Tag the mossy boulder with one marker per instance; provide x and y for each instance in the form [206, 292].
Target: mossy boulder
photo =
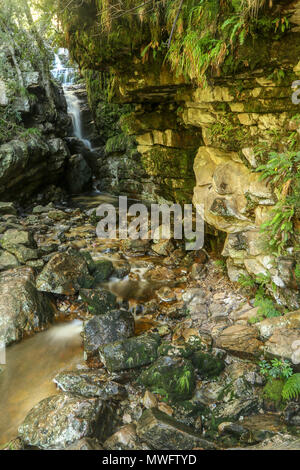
[102, 270]
[272, 394]
[172, 377]
[131, 353]
[207, 365]
[100, 301]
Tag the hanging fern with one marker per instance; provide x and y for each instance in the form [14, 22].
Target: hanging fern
[291, 388]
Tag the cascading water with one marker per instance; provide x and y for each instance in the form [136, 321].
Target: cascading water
[67, 76]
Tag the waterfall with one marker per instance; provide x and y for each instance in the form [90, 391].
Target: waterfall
[67, 75]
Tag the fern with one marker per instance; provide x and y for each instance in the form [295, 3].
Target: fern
[291, 387]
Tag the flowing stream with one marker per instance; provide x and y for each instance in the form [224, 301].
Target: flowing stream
[31, 366]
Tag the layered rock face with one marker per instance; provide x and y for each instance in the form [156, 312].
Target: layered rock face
[35, 153]
[216, 134]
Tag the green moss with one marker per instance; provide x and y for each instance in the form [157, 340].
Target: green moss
[170, 377]
[272, 393]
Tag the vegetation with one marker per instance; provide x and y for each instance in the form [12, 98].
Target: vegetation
[195, 36]
[22, 42]
[282, 170]
[279, 374]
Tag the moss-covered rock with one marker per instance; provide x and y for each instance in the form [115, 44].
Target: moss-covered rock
[130, 353]
[102, 270]
[272, 394]
[174, 378]
[100, 301]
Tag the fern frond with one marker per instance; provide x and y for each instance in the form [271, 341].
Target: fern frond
[291, 388]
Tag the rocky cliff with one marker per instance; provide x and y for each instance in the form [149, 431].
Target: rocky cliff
[201, 139]
[33, 124]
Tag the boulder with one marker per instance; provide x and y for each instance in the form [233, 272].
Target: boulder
[63, 274]
[21, 252]
[173, 377]
[100, 301]
[90, 383]
[113, 326]
[125, 439]
[58, 421]
[240, 340]
[130, 353]
[288, 321]
[162, 432]
[7, 260]
[22, 308]
[102, 270]
[19, 237]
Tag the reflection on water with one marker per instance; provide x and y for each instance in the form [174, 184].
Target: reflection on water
[31, 366]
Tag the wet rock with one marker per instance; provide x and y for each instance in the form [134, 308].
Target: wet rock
[162, 432]
[135, 246]
[78, 174]
[7, 260]
[113, 326]
[58, 421]
[7, 208]
[121, 269]
[100, 301]
[85, 444]
[174, 378]
[63, 274]
[22, 308]
[130, 353]
[90, 383]
[208, 365]
[102, 270]
[240, 340]
[125, 439]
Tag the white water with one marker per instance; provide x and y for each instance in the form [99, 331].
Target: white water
[66, 75]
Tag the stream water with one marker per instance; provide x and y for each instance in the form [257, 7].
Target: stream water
[33, 363]
[31, 366]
